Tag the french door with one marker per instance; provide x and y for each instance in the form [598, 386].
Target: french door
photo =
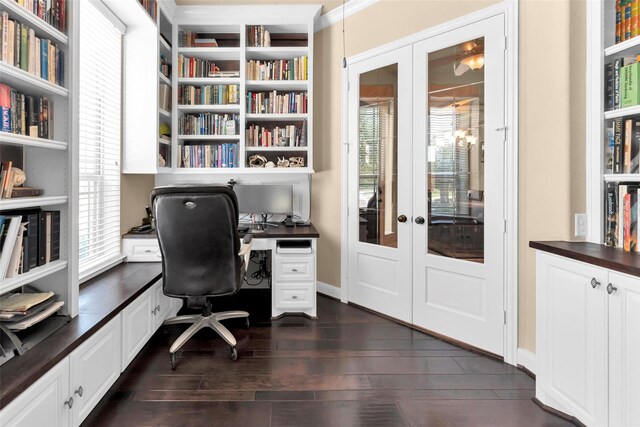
[426, 184]
[380, 184]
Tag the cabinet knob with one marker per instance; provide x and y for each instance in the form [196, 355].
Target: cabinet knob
[147, 251]
[594, 283]
[154, 311]
[79, 391]
[158, 308]
[294, 297]
[69, 402]
[611, 289]
[295, 270]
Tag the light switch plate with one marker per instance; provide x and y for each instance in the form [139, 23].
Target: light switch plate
[581, 225]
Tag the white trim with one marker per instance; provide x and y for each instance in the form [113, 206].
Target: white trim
[335, 15]
[104, 9]
[510, 10]
[328, 290]
[527, 359]
[102, 267]
[344, 189]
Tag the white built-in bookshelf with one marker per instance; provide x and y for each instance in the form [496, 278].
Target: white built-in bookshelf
[47, 161]
[602, 49]
[217, 128]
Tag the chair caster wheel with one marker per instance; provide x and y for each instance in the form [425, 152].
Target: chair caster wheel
[234, 354]
[246, 323]
[172, 356]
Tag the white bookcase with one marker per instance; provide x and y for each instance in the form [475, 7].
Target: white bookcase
[291, 29]
[48, 163]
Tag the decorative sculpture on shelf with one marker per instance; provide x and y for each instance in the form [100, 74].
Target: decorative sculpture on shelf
[296, 162]
[257, 161]
[269, 164]
[161, 162]
[283, 163]
[19, 177]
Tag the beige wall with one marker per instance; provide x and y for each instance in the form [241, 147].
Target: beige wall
[134, 197]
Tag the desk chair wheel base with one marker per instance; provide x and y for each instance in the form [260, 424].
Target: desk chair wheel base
[234, 354]
[246, 323]
[172, 356]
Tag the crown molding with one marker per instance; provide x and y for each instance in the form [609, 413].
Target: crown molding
[334, 16]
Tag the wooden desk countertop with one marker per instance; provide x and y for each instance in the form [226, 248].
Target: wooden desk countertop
[279, 232]
[101, 299]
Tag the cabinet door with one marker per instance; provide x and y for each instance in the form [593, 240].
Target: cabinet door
[624, 350]
[95, 366]
[42, 404]
[571, 337]
[162, 305]
[137, 326]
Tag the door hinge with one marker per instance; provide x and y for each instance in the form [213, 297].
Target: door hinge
[504, 43]
[348, 145]
[347, 210]
[504, 318]
[504, 230]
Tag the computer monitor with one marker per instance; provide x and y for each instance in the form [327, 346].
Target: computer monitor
[268, 199]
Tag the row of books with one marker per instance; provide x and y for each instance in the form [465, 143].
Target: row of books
[196, 39]
[19, 311]
[25, 114]
[621, 227]
[208, 156]
[53, 12]
[257, 36]
[208, 95]
[627, 20]
[150, 6]
[621, 83]
[279, 136]
[195, 67]
[623, 154]
[165, 67]
[38, 56]
[208, 124]
[30, 239]
[281, 69]
[277, 103]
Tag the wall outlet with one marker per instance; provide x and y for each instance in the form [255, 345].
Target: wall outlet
[581, 225]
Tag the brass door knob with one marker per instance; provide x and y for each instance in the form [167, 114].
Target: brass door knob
[402, 218]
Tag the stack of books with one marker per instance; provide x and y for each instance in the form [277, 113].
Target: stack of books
[19, 311]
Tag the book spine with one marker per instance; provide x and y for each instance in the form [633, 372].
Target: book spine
[617, 69]
[617, 147]
[611, 229]
[55, 235]
[622, 191]
[5, 37]
[628, 132]
[42, 239]
[24, 48]
[633, 219]
[627, 221]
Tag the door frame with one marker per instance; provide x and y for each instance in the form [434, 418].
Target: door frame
[509, 10]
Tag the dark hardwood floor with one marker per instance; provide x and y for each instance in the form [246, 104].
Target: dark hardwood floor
[348, 368]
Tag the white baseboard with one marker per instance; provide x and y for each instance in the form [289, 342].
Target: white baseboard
[329, 290]
[527, 359]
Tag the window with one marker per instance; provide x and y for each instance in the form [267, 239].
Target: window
[100, 87]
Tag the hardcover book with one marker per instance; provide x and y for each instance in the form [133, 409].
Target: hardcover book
[611, 228]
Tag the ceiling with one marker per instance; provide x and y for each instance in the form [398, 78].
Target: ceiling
[327, 5]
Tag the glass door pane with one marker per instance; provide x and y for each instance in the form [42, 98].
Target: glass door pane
[455, 151]
[377, 156]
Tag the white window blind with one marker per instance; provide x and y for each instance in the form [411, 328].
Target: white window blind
[100, 85]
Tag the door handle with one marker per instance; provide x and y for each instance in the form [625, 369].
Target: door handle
[402, 218]
[419, 220]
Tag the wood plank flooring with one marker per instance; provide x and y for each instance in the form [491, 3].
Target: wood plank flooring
[348, 368]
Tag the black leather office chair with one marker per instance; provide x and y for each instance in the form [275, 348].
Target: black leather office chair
[202, 256]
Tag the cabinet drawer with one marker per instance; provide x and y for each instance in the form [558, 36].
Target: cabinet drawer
[294, 268]
[142, 250]
[295, 296]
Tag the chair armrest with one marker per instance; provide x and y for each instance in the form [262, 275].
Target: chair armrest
[245, 250]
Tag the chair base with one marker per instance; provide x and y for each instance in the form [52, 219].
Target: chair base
[199, 321]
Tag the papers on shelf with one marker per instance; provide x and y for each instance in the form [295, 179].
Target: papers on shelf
[32, 320]
[20, 303]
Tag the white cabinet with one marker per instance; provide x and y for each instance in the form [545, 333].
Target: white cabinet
[141, 249]
[45, 403]
[142, 318]
[294, 283]
[95, 366]
[624, 350]
[66, 394]
[588, 341]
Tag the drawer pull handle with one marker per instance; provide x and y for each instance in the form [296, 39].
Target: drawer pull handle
[611, 289]
[148, 251]
[79, 391]
[295, 270]
[158, 308]
[154, 311]
[294, 297]
[594, 283]
[69, 402]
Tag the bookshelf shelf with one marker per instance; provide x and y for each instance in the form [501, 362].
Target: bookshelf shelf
[164, 79]
[167, 143]
[627, 46]
[164, 113]
[216, 53]
[209, 137]
[275, 117]
[42, 28]
[29, 141]
[165, 48]
[227, 108]
[7, 285]
[624, 177]
[276, 52]
[236, 171]
[28, 83]
[271, 85]
[276, 149]
[31, 202]
[209, 80]
[622, 112]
